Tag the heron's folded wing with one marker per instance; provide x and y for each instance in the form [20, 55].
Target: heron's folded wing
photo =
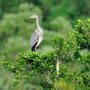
[39, 41]
[34, 39]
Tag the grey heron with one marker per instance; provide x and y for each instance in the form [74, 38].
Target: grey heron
[37, 35]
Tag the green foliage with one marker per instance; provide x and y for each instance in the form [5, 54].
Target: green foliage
[12, 5]
[83, 38]
[70, 9]
[61, 26]
[68, 51]
[13, 46]
[62, 9]
[56, 18]
[6, 82]
[15, 32]
[62, 85]
[80, 5]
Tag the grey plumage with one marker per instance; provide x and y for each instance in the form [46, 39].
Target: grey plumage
[37, 36]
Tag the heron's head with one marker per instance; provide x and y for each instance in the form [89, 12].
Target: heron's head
[34, 16]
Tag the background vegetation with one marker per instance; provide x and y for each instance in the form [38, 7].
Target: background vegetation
[57, 17]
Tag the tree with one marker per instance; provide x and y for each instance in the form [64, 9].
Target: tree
[68, 51]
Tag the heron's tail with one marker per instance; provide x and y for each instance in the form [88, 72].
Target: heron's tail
[33, 49]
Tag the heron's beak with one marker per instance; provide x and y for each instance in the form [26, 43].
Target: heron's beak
[31, 17]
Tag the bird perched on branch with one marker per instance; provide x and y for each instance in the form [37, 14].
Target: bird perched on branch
[37, 35]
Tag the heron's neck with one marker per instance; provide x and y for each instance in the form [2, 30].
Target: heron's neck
[37, 22]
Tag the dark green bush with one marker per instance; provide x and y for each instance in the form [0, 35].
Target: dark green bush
[83, 38]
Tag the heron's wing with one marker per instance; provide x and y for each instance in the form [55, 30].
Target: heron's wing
[34, 39]
[39, 41]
